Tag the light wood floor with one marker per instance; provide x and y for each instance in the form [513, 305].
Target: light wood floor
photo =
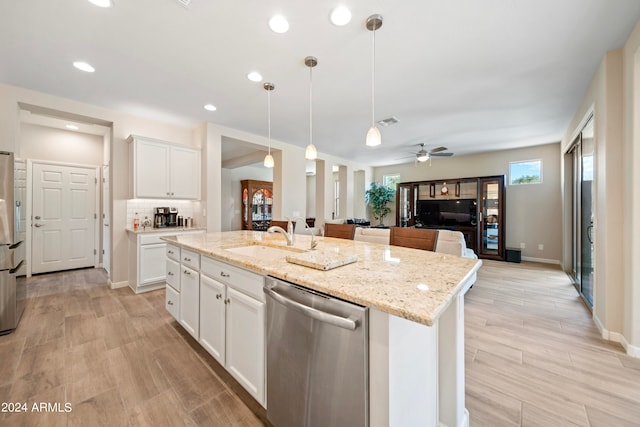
[534, 358]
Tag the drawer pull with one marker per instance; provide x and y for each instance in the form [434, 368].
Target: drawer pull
[227, 301]
[170, 252]
[223, 274]
[169, 273]
[187, 272]
[218, 296]
[187, 259]
[169, 302]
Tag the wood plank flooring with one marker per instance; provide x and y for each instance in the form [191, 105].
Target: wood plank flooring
[533, 358]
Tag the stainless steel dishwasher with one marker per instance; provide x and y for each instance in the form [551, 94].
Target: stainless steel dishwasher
[317, 358]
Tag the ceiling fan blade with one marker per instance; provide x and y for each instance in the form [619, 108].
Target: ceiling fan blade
[440, 154]
[438, 149]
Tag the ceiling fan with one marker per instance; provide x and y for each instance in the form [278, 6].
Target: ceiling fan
[423, 155]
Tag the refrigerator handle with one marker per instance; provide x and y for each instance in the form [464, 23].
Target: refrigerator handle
[15, 245]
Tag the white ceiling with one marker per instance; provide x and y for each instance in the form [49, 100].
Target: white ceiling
[471, 75]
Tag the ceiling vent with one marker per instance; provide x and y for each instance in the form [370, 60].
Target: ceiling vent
[185, 3]
[388, 122]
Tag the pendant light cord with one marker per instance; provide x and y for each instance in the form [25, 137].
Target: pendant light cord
[373, 80]
[269, 117]
[310, 105]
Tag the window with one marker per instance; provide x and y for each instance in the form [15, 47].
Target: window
[526, 172]
[391, 181]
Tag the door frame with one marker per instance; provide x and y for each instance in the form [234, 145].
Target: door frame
[29, 225]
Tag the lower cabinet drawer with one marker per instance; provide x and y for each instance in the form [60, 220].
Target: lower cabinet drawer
[238, 278]
[172, 302]
[173, 274]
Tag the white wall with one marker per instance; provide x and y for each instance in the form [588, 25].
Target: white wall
[231, 197]
[533, 212]
[58, 145]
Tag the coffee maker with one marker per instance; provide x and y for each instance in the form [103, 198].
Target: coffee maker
[172, 219]
[160, 217]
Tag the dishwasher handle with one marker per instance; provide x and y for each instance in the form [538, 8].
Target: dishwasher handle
[322, 316]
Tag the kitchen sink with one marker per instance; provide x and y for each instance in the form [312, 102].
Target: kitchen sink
[264, 251]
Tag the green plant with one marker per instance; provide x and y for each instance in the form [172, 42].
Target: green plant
[377, 196]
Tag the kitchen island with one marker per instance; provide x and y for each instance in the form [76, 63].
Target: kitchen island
[416, 323]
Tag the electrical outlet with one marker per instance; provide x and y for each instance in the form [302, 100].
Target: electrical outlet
[521, 245]
[540, 247]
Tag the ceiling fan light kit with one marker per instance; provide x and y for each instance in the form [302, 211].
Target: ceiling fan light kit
[373, 23]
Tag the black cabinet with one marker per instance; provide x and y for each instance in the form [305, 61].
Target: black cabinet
[473, 206]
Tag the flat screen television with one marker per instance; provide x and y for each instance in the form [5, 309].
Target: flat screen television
[446, 213]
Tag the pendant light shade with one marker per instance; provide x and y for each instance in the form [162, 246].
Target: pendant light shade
[268, 159]
[311, 153]
[374, 22]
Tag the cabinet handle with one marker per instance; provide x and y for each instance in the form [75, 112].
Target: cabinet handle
[187, 272]
[218, 296]
[223, 274]
[227, 301]
[172, 194]
[170, 252]
[187, 259]
[169, 302]
[169, 273]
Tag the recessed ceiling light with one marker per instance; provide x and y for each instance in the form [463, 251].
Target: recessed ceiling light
[278, 24]
[72, 127]
[102, 3]
[84, 66]
[254, 76]
[340, 16]
[210, 107]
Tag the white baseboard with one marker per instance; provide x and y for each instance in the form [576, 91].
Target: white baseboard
[464, 422]
[631, 350]
[542, 260]
[116, 285]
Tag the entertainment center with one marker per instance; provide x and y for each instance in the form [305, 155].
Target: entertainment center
[473, 206]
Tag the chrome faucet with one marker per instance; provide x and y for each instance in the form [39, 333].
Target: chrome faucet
[289, 235]
[314, 243]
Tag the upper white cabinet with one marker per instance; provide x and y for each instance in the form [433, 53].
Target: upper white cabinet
[162, 170]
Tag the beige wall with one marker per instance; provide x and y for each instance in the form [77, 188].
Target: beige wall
[533, 212]
[614, 98]
[58, 145]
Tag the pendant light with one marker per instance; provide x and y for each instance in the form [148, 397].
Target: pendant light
[311, 153]
[268, 159]
[374, 22]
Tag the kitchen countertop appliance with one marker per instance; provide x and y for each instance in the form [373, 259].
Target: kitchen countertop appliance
[172, 217]
[160, 217]
[317, 358]
[12, 288]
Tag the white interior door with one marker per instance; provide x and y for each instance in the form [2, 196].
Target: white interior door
[64, 217]
[106, 220]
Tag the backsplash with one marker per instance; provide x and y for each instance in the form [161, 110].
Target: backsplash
[144, 207]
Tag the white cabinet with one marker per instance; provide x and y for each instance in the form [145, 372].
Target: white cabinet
[190, 300]
[161, 170]
[148, 256]
[213, 295]
[245, 342]
[235, 329]
[172, 302]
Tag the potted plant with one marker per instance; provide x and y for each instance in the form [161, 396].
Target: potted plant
[377, 196]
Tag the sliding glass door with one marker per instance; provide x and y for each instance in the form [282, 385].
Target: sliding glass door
[583, 237]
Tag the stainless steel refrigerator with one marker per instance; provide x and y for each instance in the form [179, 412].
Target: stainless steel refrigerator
[12, 288]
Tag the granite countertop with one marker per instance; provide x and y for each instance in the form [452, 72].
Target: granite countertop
[150, 230]
[413, 284]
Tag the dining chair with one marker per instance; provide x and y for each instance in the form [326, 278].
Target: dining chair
[416, 238]
[341, 231]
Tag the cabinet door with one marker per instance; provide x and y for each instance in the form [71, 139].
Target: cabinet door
[212, 317]
[173, 274]
[185, 173]
[151, 169]
[245, 342]
[492, 218]
[190, 300]
[152, 263]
